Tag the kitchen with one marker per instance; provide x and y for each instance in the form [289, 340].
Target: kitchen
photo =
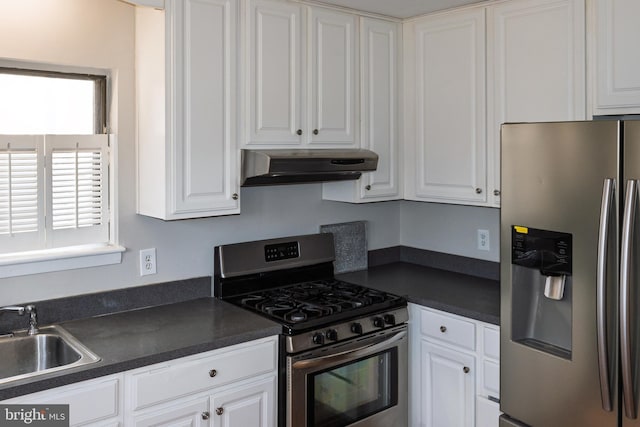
[184, 248]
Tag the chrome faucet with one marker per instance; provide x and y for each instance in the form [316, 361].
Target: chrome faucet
[33, 319]
[21, 310]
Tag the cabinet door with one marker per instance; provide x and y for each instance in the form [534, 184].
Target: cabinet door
[536, 58]
[617, 57]
[447, 160]
[276, 45]
[379, 126]
[487, 412]
[193, 413]
[186, 96]
[333, 78]
[378, 59]
[250, 405]
[447, 387]
[204, 107]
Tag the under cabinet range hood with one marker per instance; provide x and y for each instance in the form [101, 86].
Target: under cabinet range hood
[292, 166]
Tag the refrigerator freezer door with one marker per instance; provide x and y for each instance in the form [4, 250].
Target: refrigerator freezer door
[629, 278]
[553, 176]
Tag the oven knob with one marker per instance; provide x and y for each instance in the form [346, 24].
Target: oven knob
[318, 338]
[378, 322]
[356, 328]
[390, 319]
[332, 334]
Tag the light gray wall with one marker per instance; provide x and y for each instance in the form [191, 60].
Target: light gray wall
[449, 228]
[100, 34]
[185, 248]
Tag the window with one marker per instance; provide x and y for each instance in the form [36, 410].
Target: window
[54, 161]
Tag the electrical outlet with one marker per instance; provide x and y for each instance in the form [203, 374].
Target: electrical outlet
[147, 261]
[484, 244]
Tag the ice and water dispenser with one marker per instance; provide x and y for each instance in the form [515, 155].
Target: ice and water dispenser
[541, 289]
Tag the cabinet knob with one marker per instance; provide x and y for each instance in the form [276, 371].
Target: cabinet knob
[315, 131]
[299, 132]
[443, 329]
[368, 188]
[234, 196]
[220, 410]
[496, 192]
[213, 373]
[478, 190]
[205, 415]
[466, 369]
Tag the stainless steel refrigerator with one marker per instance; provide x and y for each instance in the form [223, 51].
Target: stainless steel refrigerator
[570, 282]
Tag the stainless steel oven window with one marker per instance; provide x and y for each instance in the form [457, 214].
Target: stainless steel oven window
[387, 348]
[347, 393]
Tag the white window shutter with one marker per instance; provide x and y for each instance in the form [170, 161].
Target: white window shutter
[21, 195]
[77, 188]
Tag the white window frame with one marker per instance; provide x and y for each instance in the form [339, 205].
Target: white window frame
[22, 263]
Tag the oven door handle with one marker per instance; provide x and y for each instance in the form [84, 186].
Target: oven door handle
[377, 345]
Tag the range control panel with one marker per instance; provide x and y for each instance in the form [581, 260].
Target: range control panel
[346, 330]
[280, 251]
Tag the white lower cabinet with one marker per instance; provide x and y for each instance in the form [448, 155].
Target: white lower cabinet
[447, 383]
[252, 404]
[231, 387]
[234, 386]
[456, 370]
[193, 413]
[97, 402]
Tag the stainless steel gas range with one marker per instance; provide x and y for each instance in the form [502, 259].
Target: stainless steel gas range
[343, 347]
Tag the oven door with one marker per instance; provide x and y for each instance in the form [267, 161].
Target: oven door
[361, 382]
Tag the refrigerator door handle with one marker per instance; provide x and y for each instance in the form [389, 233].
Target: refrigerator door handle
[608, 189]
[628, 219]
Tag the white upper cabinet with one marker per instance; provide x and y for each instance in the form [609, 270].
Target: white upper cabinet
[445, 90]
[276, 68]
[536, 63]
[617, 58]
[534, 59]
[186, 109]
[297, 96]
[333, 78]
[379, 58]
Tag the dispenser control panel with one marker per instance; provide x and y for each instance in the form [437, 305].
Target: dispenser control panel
[548, 251]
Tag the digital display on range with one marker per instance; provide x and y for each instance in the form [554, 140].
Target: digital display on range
[279, 251]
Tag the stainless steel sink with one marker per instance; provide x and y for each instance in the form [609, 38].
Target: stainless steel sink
[52, 349]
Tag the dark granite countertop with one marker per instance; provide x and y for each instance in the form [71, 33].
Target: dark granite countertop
[144, 336]
[466, 295]
[136, 338]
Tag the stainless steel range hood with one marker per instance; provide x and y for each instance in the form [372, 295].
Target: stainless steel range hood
[275, 167]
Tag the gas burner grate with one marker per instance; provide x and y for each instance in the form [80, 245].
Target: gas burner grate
[302, 302]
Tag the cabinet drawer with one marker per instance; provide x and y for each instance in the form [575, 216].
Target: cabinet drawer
[448, 329]
[491, 378]
[90, 401]
[167, 381]
[491, 342]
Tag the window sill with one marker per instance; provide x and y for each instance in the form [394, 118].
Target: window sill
[69, 258]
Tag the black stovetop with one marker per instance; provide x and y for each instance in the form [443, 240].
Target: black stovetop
[290, 280]
[309, 304]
